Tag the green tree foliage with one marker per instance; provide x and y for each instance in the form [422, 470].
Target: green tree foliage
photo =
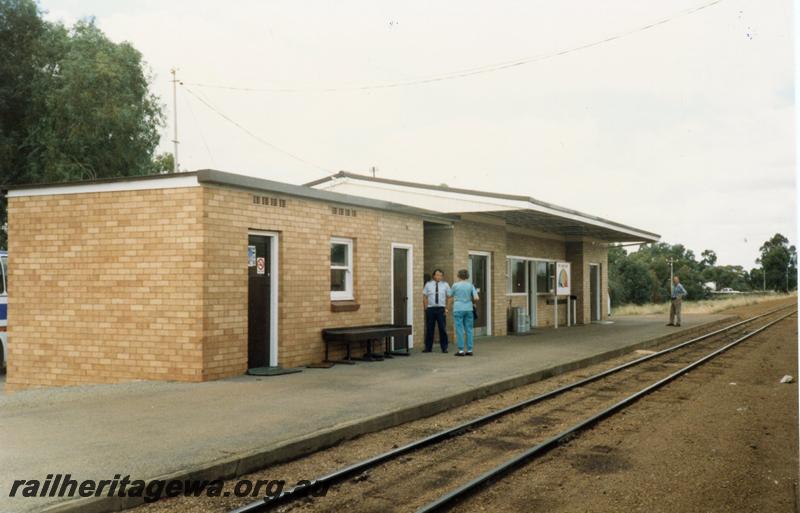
[656, 258]
[778, 264]
[96, 117]
[616, 288]
[709, 258]
[73, 104]
[629, 281]
[733, 276]
[21, 31]
[638, 281]
[643, 276]
[163, 163]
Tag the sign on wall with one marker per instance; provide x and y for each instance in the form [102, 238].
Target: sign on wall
[563, 279]
[251, 256]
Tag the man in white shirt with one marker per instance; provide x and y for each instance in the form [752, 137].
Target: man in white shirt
[435, 302]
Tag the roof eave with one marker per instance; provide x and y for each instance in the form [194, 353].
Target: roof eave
[212, 176]
[536, 204]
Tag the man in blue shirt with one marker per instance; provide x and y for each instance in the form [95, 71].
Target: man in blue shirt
[434, 299]
[678, 292]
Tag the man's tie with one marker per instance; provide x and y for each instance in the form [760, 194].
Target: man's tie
[436, 300]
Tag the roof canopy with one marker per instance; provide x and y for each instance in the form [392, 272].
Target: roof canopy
[520, 211]
[211, 176]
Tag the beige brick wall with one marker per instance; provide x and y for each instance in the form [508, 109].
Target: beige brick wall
[105, 288]
[117, 286]
[581, 254]
[501, 241]
[305, 228]
[438, 240]
[439, 249]
[535, 247]
[470, 235]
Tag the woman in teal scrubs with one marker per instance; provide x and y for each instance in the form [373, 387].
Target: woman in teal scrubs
[463, 296]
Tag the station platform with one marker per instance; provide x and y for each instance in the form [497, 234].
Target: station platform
[162, 430]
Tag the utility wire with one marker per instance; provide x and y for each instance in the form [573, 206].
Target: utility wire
[251, 134]
[200, 129]
[488, 68]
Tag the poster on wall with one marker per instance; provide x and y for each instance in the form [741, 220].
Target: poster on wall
[251, 256]
[563, 279]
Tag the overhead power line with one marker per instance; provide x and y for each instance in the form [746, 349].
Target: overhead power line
[253, 135]
[200, 129]
[457, 74]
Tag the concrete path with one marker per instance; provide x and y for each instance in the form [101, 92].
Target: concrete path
[156, 429]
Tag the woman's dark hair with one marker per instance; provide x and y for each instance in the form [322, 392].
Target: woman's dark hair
[437, 271]
[463, 274]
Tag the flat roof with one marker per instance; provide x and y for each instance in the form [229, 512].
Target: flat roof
[212, 176]
[515, 209]
[250, 182]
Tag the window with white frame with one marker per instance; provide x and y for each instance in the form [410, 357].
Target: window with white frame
[517, 276]
[545, 276]
[341, 269]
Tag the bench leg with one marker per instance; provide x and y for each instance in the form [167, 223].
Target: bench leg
[348, 358]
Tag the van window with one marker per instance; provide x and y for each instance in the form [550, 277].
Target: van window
[3, 265]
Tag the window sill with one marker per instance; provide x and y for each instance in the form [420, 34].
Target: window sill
[348, 305]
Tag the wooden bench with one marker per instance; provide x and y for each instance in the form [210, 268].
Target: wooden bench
[368, 335]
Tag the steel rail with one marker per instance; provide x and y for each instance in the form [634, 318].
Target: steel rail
[448, 500]
[303, 490]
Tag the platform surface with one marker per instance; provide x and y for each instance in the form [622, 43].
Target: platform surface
[153, 429]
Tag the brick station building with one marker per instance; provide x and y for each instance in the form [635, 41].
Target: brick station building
[202, 275]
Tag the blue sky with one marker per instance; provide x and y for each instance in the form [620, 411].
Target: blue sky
[685, 129]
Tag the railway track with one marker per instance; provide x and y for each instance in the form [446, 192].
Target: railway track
[476, 452]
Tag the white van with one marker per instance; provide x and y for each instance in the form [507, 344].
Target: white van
[3, 308]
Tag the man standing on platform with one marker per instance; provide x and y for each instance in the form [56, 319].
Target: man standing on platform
[678, 292]
[435, 302]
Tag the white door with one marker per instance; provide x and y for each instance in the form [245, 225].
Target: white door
[402, 296]
[479, 267]
[532, 293]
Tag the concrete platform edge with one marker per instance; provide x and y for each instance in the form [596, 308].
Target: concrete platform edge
[291, 449]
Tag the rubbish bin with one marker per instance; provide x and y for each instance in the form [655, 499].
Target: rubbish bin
[524, 322]
[520, 320]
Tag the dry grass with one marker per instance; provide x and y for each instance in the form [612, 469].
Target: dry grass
[704, 306]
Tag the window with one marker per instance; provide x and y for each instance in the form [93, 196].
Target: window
[341, 269]
[517, 276]
[3, 273]
[545, 276]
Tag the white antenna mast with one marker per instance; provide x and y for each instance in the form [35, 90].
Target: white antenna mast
[175, 166]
